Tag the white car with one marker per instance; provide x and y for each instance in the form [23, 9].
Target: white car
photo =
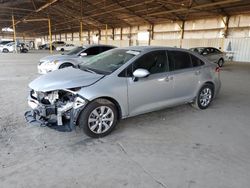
[71, 58]
[66, 47]
[8, 47]
[3, 43]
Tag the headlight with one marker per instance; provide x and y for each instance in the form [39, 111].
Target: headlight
[55, 62]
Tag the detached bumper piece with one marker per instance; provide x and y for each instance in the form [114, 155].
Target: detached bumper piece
[33, 118]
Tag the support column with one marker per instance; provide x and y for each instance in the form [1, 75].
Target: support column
[80, 32]
[14, 31]
[113, 33]
[106, 34]
[121, 34]
[225, 30]
[151, 34]
[89, 36]
[50, 36]
[182, 32]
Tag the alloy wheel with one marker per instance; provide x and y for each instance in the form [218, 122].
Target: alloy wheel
[101, 119]
[205, 97]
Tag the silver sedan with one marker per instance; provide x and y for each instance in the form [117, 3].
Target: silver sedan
[212, 54]
[121, 83]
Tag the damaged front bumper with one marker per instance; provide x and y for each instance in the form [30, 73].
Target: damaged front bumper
[58, 115]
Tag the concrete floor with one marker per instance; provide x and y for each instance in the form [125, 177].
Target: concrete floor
[179, 147]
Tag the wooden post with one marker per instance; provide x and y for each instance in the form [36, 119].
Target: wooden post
[182, 32]
[14, 31]
[81, 32]
[121, 34]
[89, 36]
[106, 34]
[50, 36]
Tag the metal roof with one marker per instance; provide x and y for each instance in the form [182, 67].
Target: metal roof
[30, 15]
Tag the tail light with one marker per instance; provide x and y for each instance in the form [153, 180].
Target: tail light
[217, 69]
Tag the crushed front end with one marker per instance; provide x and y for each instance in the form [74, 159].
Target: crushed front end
[58, 109]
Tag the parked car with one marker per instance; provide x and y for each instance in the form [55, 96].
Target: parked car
[66, 47]
[71, 58]
[23, 48]
[2, 43]
[10, 47]
[43, 46]
[121, 83]
[212, 54]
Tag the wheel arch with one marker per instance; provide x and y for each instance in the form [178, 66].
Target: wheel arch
[66, 62]
[210, 83]
[115, 102]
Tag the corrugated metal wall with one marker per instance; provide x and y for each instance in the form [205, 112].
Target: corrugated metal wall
[240, 48]
[197, 33]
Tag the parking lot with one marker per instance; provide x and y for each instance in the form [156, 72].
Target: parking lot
[175, 147]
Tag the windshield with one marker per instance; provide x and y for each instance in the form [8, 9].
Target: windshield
[75, 51]
[109, 61]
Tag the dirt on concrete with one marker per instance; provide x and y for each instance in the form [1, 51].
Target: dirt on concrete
[180, 147]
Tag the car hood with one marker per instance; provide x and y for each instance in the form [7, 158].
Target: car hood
[58, 57]
[64, 79]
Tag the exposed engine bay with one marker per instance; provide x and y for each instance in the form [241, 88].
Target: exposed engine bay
[54, 107]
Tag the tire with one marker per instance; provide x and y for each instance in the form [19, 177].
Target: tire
[92, 118]
[204, 97]
[64, 65]
[62, 49]
[220, 63]
[5, 50]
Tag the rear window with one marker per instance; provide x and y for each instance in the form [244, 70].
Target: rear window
[196, 61]
[179, 60]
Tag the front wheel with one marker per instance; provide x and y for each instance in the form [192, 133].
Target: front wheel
[204, 97]
[5, 50]
[99, 118]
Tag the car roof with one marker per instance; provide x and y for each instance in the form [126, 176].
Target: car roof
[152, 48]
[96, 45]
[203, 47]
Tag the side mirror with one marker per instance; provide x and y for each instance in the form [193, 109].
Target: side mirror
[140, 73]
[83, 54]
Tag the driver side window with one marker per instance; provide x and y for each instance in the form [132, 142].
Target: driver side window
[154, 62]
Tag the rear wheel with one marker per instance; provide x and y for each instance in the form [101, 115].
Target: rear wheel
[99, 118]
[204, 97]
[220, 63]
[64, 65]
[5, 50]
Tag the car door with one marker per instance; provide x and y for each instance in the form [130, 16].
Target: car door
[152, 92]
[185, 76]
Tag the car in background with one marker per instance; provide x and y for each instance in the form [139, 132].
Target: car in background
[10, 47]
[2, 43]
[42, 46]
[212, 54]
[66, 47]
[22, 47]
[56, 44]
[71, 58]
[122, 83]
